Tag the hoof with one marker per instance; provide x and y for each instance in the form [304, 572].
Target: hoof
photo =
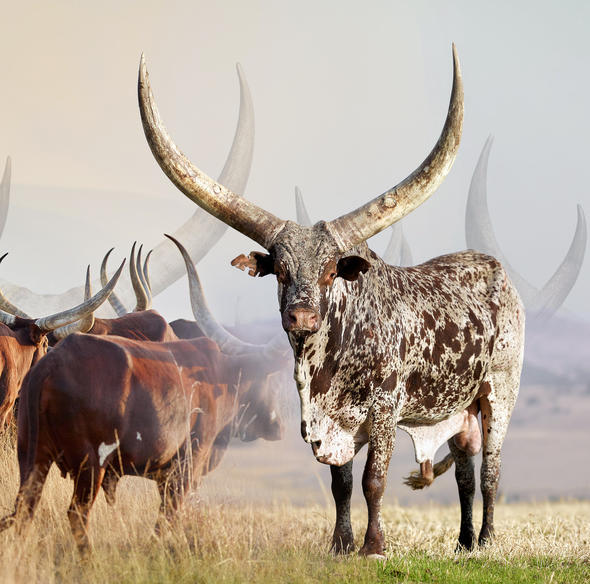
[379, 557]
[372, 554]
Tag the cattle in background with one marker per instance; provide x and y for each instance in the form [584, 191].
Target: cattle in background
[23, 341]
[377, 346]
[104, 406]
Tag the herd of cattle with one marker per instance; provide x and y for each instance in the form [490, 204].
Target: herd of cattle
[427, 349]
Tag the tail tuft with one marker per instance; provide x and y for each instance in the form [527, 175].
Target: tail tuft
[416, 479]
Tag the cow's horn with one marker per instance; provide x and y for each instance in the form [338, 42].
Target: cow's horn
[6, 305]
[140, 295]
[355, 227]
[114, 300]
[146, 272]
[246, 217]
[479, 234]
[85, 323]
[227, 342]
[144, 283]
[49, 323]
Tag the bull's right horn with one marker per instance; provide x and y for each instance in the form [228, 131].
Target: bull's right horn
[49, 323]
[239, 213]
[357, 226]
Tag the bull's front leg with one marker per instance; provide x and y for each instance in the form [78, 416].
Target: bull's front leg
[381, 443]
[343, 539]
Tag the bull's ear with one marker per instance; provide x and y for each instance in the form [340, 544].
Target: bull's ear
[350, 267]
[257, 264]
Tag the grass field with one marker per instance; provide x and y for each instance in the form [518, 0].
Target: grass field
[216, 541]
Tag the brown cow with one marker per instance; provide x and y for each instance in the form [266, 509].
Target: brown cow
[23, 341]
[151, 409]
[159, 410]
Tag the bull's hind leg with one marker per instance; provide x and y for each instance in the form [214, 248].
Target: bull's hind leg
[86, 487]
[343, 539]
[496, 409]
[28, 496]
[465, 477]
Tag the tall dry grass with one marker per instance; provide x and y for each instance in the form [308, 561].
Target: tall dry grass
[216, 541]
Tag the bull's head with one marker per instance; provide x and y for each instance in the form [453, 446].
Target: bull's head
[305, 260]
[310, 263]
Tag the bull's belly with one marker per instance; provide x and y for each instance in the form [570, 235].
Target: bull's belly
[437, 403]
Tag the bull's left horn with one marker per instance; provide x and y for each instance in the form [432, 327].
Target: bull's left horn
[246, 217]
[355, 227]
[49, 323]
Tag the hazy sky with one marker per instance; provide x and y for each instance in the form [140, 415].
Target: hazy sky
[349, 99]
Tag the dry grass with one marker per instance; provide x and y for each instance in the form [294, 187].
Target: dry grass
[213, 541]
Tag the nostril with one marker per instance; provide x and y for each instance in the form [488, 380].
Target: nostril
[315, 445]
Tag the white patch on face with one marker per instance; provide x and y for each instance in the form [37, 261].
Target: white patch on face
[138, 436]
[105, 449]
[273, 416]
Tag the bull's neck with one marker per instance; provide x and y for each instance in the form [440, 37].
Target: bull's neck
[351, 305]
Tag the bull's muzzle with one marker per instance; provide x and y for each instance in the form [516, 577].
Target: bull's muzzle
[301, 320]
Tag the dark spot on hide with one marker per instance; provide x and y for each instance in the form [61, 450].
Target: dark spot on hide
[429, 322]
[402, 348]
[413, 383]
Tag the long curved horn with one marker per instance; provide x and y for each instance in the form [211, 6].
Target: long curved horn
[355, 227]
[227, 342]
[5, 193]
[146, 277]
[85, 323]
[114, 300]
[49, 323]
[479, 234]
[221, 202]
[199, 233]
[6, 305]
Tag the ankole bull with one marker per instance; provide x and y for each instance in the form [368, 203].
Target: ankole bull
[424, 348]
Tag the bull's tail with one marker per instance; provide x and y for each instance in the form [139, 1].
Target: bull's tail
[418, 479]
